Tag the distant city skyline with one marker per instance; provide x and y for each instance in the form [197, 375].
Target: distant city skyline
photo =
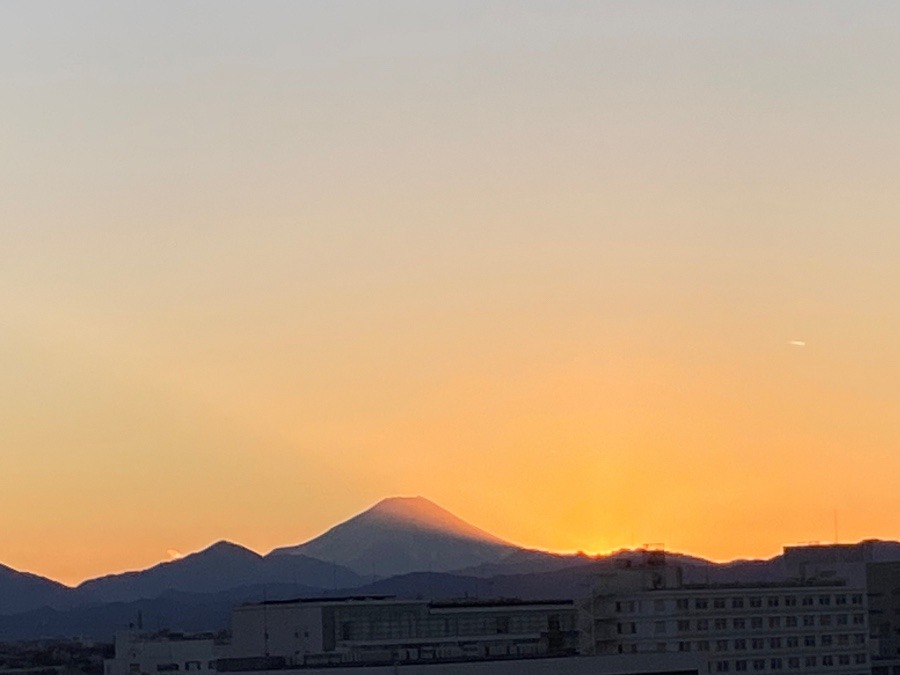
[588, 275]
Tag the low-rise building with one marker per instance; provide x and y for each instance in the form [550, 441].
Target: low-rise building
[386, 630]
[386, 636]
[139, 653]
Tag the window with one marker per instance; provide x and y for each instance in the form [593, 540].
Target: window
[825, 620]
[775, 664]
[740, 644]
[856, 599]
[702, 624]
[793, 642]
[720, 624]
[719, 603]
[810, 661]
[659, 627]
[740, 665]
[840, 599]
[809, 640]
[756, 622]
[682, 603]
[684, 646]
[794, 662]
[859, 619]
[756, 602]
[703, 646]
[774, 622]
[807, 600]
[859, 658]
[737, 603]
[790, 621]
[844, 660]
[721, 645]
[772, 601]
[824, 600]
[759, 664]
[721, 666]
[757, 643]
[790, 601]
[826, 640]
[684, 624]
[828, 660]
[775, 643]
[739, 624]
[809, 620]
[841, 619]
[701, 603]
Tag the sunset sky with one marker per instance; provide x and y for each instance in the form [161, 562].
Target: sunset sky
[587, 274]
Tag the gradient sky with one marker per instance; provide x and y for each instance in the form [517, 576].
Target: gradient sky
[263, 264]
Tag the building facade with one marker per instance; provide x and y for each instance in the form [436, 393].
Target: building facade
[386, 630]
[806, 627]
[384, 635]
[883, 585]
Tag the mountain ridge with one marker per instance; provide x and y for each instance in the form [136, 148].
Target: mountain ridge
[406, 545]
[399, 535]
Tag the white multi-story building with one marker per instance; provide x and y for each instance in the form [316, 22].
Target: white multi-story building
[803, 626]
[388, 630]
[386, 636]
[139, 653]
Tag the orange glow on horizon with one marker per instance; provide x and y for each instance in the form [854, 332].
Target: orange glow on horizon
[587, 275]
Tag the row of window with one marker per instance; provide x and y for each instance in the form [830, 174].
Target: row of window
[792, 642]
[753, 602]
[759, 622]
[791, 663]
[770, 601]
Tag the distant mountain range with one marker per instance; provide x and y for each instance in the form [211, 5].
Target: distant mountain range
[402, 535]
[20, 591]
[408, 547]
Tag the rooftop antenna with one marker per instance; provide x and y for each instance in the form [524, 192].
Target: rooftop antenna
[836, 540]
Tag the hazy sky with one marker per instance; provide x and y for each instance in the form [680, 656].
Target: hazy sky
[263, 264]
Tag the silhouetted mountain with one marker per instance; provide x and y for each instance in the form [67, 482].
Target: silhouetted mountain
[401, 535]
[571, 582]
[406, 547]
[526, 561]
[220, 567]
[21, 591]
[883, 551]
[179, 612]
